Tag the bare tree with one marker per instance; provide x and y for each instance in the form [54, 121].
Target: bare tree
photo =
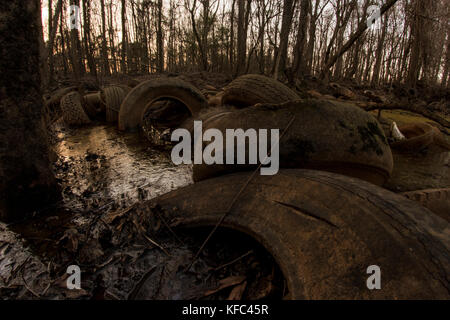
[105, 60]
[75, 49]
[243, 20]
[160, 41]
[361, 28]
[281, 57]
[301, 55]
[88, 43]
[123, 61]
[326, 38]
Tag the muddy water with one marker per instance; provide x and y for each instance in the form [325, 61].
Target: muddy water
[100, 166]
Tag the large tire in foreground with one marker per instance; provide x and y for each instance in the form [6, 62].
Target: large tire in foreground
[335, 137]
[139, 99]
[324, 230]
[72, 109]
[251, 89]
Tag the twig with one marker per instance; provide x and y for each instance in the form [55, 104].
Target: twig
[46, 288]
[235, 199]
[19, 269]
[28, 288]
[156, 244]
[234, 261]
[168, 227]
[139, 285]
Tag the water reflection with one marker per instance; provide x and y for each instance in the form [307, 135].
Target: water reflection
[99, 164]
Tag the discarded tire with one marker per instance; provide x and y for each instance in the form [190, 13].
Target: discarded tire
[141, 97]
[324, 231]
[72, 109]
[251, 89]
[341, 91]
[436, 200]
[418, 137]
[92, 104]
[112, 97]
[326, 136]
[53, 100]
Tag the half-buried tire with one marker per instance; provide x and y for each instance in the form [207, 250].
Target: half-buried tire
[139, 99]
[324, 230]
[326, 136]
[420, 136]
[72, 109]
[112, 98]
[251, 89]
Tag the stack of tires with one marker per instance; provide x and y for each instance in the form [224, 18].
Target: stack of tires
[77, 109]
[324, 135]
[333, 236]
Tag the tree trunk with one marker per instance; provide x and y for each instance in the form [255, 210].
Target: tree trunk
[416, 32]
[300, 58]
[105, 64]
[242, 38]
[111, 39]
[27, 182]
[159, 39]
[76, 54]
[445, 74]
[87, 38]
[379, 54]
[280, 60]
[63, 43]
[231, 54]
[123, 61]
[53, 26]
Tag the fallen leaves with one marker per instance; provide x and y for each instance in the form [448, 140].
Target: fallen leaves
[238, 291]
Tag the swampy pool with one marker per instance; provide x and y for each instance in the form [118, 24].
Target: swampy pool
[100, 166]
